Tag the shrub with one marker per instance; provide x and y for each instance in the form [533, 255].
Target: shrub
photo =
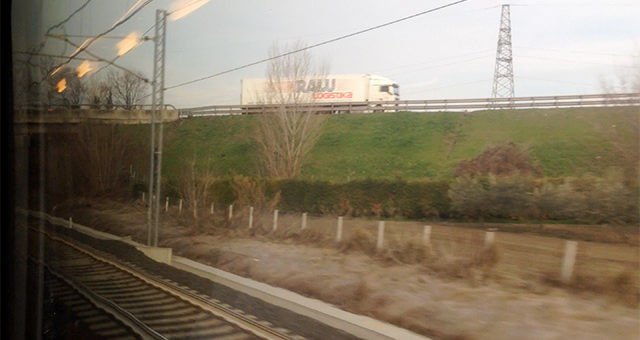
[492, 197]
[366, 198]
[588, 199]
[502, 160]
[468, 197]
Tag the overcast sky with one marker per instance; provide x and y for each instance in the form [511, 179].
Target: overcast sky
[560, 47]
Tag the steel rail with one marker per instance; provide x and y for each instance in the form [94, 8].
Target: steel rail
[217, 310]
[122, 315]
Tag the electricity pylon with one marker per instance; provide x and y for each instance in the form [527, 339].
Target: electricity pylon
[503, 74]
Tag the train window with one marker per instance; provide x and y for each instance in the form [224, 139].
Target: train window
[181, 171]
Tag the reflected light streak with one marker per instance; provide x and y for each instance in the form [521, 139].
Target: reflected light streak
[55, 71]
[181, 8]
[131, 9]
[128, 43]
[61, 85]
[81, 46]
[84, 68]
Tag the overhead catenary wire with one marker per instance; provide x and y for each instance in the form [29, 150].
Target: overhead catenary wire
[108, 61]
[52, 55]
[60, 24]
[144, 37]
[82, 47]
[118, 56]
[185, 6]
[326, 42]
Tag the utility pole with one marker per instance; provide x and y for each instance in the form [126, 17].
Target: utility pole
[157, 118]
[503, 75]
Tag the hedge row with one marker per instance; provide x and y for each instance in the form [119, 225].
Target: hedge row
[521, 198]
[356, 198]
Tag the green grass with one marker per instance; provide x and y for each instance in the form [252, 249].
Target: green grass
[413, 146]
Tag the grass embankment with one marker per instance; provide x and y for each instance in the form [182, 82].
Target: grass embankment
[415, 146]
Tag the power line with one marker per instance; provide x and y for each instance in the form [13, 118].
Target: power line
[52, 55]
[91, 36]
[145, 34]
[90, 41]
[573, 61]
[441, 65]
[555, 81]
[107, 61]
[432, 60]
[185, 6]
[342, 37]
[59, 24]
[576, 51]
[69, 17]
[418, 89]
[118, 57]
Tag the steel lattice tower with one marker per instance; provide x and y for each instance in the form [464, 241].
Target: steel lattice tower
[157, 118]
[503, 75]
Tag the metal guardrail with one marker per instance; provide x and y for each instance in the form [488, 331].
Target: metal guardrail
[589, 100]
[45, 108]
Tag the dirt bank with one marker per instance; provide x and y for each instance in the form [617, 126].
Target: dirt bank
[513, 296]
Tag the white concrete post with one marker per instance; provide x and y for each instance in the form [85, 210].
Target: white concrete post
[339, 231]
[426, 235]
[304, 221]
[180, 207]
[489, 238]
[569, 260]
[230, 211]
[250, 217]
[211, 209]
[70, 222]
[143, 198]
[166, 204]
[380, 242]
[275, 220]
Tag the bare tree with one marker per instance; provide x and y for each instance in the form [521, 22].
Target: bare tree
[100, 93]
[627, 154]
[196, 185]
[627, 80]
[103, 152]
[75, 92]
[71, 94]
[126, 88]
[287, 133]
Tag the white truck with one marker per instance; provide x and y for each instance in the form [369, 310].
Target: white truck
[333, 88]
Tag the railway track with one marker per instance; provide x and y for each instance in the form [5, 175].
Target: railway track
[134, 304]
[66, 305]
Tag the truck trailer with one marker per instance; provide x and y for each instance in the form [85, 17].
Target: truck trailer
[333, 88]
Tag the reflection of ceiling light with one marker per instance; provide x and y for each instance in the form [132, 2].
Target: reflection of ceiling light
[182, 8]
[84, 68]
[56, 70]
[61, 85]
[129, 42]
